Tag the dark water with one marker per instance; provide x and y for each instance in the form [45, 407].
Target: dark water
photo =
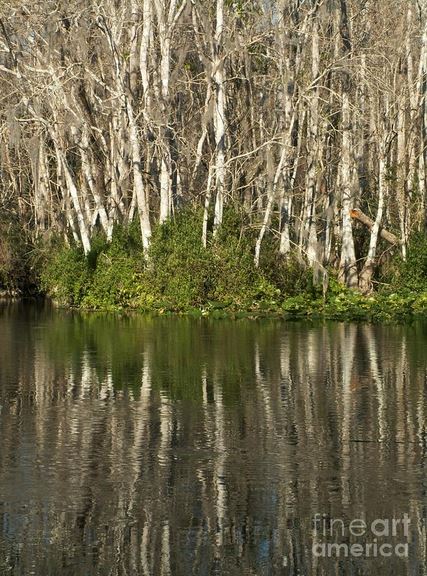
[138, 446]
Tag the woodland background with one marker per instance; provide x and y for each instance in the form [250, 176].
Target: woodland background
[186, 152]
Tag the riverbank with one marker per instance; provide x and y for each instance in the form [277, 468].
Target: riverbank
[181, 276]
[346, 307]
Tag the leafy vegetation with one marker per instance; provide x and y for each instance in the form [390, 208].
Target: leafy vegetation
[411, 274]
[231, 131]
[65, 276]
[180, 275]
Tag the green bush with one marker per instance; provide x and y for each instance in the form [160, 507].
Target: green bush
[236, 280]
[183, 274]
[116, 270]
[289, 273]
[66, 275]
[234, 277]
[178, 273]
[411, 274]
[115, 283]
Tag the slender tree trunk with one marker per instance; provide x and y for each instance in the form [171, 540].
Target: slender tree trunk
[165, 162]
[365, 280]
[308, 231]
[219, 114]
[91, 180]
[348, 268]
[208, 196]
[401, 169]
[272, 181]
[423, 123]
[72, 190]
[138, 182]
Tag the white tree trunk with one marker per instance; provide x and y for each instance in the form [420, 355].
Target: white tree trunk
[88, 172]
[138, 182]
[308, 231]
[348, 269]
[72, 189]
[401, 173]
[219, 114]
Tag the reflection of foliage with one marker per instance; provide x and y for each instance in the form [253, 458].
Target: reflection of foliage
[256, 405]
[180, 352]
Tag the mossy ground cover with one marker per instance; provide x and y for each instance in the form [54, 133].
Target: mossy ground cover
[179, 275]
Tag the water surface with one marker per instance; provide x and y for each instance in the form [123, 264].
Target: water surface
[169, 446]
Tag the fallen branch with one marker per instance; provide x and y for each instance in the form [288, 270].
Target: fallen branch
[359, 215]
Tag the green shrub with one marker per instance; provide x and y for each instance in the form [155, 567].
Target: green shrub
[411, 275]
[108, 277]
[236, 280]
[178, 275]
[233, 276]
[289, 273]
[182, 274]
[66, 275]
[115, 283]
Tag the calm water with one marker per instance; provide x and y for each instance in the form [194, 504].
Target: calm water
[138, 446]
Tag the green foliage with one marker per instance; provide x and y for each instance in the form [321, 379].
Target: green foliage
[290, 274]
[116, 271]
[234, 277]
[301, 306]
[180, 275]
[411, 275]
[66, 275]
[115, 283]
[107, 278]
[351, 306]
[347, 305]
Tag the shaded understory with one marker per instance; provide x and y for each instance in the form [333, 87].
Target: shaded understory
[181, 276]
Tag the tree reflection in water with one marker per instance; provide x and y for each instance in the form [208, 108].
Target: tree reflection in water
[138, 445]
